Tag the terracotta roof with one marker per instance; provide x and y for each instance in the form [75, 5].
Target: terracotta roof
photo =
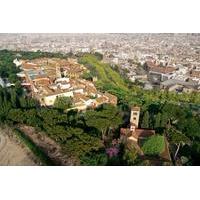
[139, 133]
[151, 64]
[79, 97]
[195, 74]
[110, 96]
[144, 132]
[101, 99]
[29, 66]
[163, 70]
[43, 81]
[40, 76]
[90, 89]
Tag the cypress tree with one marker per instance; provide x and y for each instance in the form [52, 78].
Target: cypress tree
[157, 121]
[145, 120]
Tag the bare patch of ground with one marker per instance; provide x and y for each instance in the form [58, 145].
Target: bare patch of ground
[12, 152]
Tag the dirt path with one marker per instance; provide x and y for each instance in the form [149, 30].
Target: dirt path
[12, 153]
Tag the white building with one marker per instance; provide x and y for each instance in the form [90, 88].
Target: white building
[17, 62]
[59, 80]
[50, 99]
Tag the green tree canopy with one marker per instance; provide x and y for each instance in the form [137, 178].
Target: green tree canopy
[16, 115]
[103, 119]
[145, 120]
[158, 121]
[63, 103]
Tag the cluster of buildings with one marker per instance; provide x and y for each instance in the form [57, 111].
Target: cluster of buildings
[168, 56]
[48, 79]
[176, 78]
[133, 136]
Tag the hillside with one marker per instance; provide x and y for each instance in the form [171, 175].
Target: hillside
[111, 81]
[107, 78]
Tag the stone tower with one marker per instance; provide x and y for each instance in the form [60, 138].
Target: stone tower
[135, 115]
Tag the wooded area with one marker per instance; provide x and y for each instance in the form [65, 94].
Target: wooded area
[86, 136]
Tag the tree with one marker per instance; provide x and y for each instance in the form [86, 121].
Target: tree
[13, 98]
[130, 156]
[22, 102]
[94, 158]
[158, 121]
[98, 55]
[178, 139]
[192, 128]
[103, 120]
[87, 76]
[49, 116]
[145, 120]
[59, 133]
[81, 144]
[4, 109]
[63, 103]
[18, 88]
[32, 103]
[12, 78]
[194, 153]
[16, 115]
[32, 118]
[164, 120]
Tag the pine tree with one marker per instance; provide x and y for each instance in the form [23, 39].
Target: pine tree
[145, 120]
[164, 120]
[13, 98]
[158, 121]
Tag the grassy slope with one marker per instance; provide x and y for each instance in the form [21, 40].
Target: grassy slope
[111, 81]
[154, 145]
[106, 75]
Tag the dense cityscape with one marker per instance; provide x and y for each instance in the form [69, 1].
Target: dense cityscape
[178, 53]
[100, 99]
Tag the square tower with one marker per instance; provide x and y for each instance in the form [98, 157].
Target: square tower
[135, 115]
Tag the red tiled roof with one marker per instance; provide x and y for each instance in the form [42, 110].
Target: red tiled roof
[101, 99]
[42, 81]
[139, 133]
[150, 64]
[144, 132]
[195, 74]
[156, 68]
[29, 66]
[163, 70]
